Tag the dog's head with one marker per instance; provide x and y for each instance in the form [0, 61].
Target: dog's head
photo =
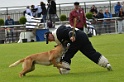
[64, 48]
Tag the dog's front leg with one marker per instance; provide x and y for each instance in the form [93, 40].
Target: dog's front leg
[58, 65]
[53, 61]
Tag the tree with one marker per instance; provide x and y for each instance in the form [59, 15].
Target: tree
[63, 17]
[89, 15]
[2, 32]
[1, 22]
[22, 20]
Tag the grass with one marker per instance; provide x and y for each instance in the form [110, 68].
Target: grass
[82, 69]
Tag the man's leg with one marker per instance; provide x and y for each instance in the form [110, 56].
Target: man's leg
[96, 57]
[120, 24]
[53, 17]
[66, 59]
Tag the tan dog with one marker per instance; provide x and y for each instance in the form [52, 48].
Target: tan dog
[44, 58]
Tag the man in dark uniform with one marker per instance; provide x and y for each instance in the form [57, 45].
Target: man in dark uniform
[78, 41]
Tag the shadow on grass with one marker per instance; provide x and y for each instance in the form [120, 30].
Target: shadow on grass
[77, 74]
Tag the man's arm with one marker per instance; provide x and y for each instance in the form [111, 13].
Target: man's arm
[71, 19]
[84, 19]
[13, 22]
[72, 34]
[110, 15]
[115, 9]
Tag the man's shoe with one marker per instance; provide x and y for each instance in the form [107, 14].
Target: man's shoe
[109, 67]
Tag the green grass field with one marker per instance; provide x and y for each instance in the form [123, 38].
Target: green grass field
[82, 69]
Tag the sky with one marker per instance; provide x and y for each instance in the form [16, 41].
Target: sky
[11, 3]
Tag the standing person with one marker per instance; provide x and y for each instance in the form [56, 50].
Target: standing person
[120, 20]
[39, 11]
[79, 14]
[117, 8]
[78, 41]
[44, 11]
[10, 30]
[107, 22]
[34, 10]
[93, 9]
[100, 22]
[28, 11]
[52, 11]
[122, 5]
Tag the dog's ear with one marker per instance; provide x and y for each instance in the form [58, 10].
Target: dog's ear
[46, 35]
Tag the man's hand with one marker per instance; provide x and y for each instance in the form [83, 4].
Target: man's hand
[72, 38]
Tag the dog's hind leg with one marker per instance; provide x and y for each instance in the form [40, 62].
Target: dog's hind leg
[31, 69]
[27, 67]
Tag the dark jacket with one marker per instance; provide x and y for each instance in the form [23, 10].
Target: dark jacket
[100, 15]
[9, 22]
[121, 15]
[52, 7]
[44, 10]
[63, 35]
[93, 10]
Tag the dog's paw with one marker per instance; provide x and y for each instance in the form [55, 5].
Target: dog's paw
[21, 75]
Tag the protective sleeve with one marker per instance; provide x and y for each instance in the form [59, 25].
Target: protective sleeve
[72, 33]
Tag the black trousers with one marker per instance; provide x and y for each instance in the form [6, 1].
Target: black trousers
[84, 45]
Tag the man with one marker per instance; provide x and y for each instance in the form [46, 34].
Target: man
[10, 30]
[9, 21]
[100, 14]
[78, 41]
[34, 10]
[93, 9]
[79, 14]
[52, 11]
[120, 21]
[28, 11]
[44, 11]
[39, 11]
[122, 5]
[117, 8]
[100, 22]
[107, 22]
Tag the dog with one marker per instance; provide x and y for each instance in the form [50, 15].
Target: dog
[51, 57]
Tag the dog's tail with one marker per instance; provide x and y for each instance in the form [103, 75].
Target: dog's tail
[16, 63]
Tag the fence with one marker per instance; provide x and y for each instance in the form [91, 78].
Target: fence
[102, 26]
[10, 35]
[107, 25]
